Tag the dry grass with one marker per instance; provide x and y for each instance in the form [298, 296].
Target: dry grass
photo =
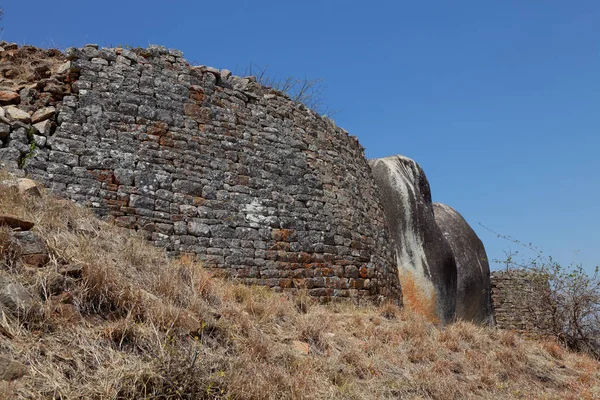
[139, 325]
[27, 65]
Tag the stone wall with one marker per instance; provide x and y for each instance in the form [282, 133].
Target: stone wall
[516, 305]
[203, 162]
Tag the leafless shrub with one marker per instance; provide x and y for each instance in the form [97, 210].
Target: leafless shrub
[562, 301]
[309, 92]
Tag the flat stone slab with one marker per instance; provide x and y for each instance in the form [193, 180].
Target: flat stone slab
[17, 114]
[43, 114]
[15, 222]
[9, 97]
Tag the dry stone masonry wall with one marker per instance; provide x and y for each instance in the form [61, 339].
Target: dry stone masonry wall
[203, 162]
[516, 305]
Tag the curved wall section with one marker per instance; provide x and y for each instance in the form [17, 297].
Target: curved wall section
[204, 162]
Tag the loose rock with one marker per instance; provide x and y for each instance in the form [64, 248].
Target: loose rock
[15, 223]
[28, 187]
[11, 370]
[33, 249]
[9, 97]
[301, 347]
[17, 114]
[43, 127]
[43, 114]
[15, 297]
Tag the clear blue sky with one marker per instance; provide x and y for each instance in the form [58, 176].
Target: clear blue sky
[497, 100]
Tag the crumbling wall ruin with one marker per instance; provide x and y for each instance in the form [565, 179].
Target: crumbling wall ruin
[203, 162]
[516, 305]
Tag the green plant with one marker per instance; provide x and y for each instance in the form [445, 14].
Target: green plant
[28, 155]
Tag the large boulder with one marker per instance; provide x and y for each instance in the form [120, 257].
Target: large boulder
[473, 296]
[425, 262]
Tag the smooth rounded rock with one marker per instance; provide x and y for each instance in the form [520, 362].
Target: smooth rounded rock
[473, 295]
[425, 262]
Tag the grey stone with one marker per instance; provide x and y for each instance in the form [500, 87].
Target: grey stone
[64, 158]
[74, 53]
[9, 154]
[223, 232]
[108, 54]
[225, 74]
[473, 296]
[141, 202]
[44, 127]
[20, 135]
[16, 298]
[90, 52]
[40, 141]
[11, 370]
[198, 229]
[99, 61]
[4, 131]
[424, 257]
[123, 176]
[23, 148]
[187, 187]
[30, 243]
[175, 53]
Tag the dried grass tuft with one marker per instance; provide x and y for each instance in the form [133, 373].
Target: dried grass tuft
[136, 324]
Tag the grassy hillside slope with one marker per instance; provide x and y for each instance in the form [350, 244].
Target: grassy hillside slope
[115, 318]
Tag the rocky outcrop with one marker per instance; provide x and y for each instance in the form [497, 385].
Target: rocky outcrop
[473, 294]
[425, 262]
